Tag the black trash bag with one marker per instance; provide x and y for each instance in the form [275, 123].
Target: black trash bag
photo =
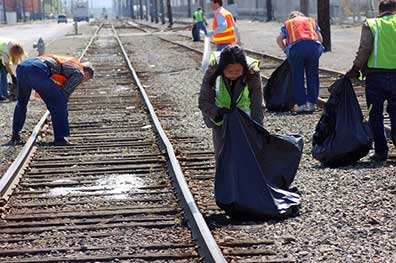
[278, 93]
[195, 33]
[342, 136]
[255, 169]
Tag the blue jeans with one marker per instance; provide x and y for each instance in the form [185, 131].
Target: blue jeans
[34, 74]
[3, 81]
[303, 57]
[220, 47]
[381, 87]
[198, 27]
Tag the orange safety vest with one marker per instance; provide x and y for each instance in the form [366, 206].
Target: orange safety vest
[59, 79]
[228, 36]
[299, 28]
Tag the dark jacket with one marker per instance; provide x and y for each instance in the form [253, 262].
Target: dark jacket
[207, 100]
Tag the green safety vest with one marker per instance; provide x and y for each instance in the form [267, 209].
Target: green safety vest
[4, 47]
[383, 55]
[223, 98]
[198, 16]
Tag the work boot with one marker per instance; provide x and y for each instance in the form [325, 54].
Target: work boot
[310, 107]
[299, 109]
[15, 138]
[62, 142]
[375, 157]
[12, 97]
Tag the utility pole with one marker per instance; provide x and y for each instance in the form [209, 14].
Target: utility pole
[324, 22]
[147, 9]
[188, 8]
[169, 10]
[304, 7]
[270, 12]
[162, 10]
[257, 8]
[4, 12]
[202, 5]
[132, 9]
[141, 8]
[151, 11]
[23, 11]
[156, 11]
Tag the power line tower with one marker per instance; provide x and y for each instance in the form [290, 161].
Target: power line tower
[324, 22]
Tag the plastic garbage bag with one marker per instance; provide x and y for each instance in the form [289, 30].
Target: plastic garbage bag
[255, 169]
[342, 136]
[195, 32]
[278, 93]
[206, 54]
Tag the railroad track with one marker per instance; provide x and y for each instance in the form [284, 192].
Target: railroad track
[197, 159]
[108, 197]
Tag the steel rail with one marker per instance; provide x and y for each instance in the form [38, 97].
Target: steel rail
[207, 246]
[12, 176]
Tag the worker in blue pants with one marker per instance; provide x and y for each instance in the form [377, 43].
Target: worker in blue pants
[300, 39]
[43, 75]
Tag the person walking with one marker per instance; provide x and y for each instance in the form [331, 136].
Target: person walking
[225, 30]
[10, 53]
[376, 57]
[199, 23]
[300, 39]
[231, 79]
[54, 78]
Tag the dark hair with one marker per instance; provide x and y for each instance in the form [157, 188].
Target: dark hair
[199, 8]
[220, 2]
[387, 5]
[232, 54]
[89, 70]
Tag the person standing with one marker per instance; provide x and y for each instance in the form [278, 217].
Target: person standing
[54, 78]
[10, 53]
[225, 30]
[199, 23]
[376, 57]
[231, 79]
[300, 39]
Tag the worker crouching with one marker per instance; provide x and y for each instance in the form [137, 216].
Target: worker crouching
[54, 78]
[301, 40]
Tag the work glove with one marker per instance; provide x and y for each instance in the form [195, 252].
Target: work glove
[220, 114]
[209, 34]
[14, 80]
[353, 73]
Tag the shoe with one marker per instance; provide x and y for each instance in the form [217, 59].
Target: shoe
[62, 142]
[12, 97]
[3, 98]
[375, 157]
[299, 109]
[15, 138]
[310, 107]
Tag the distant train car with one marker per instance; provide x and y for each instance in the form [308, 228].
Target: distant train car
[81, 11]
